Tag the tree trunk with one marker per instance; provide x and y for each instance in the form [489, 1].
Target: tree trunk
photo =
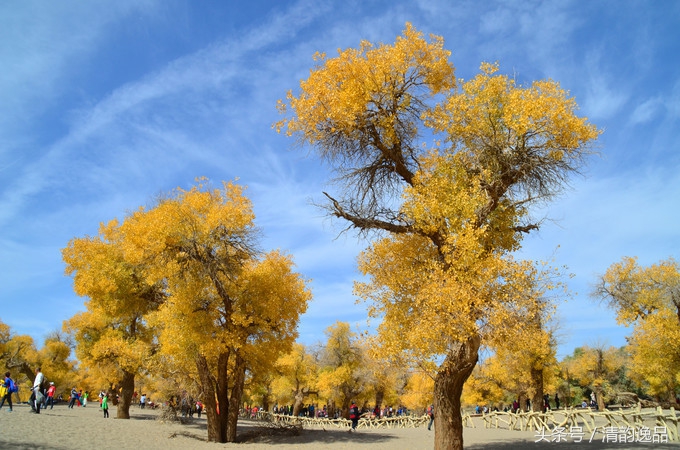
[379, 397]
[297, 404]
[265, 398]
[344, 408]
[217, 423]
[239, 380]
[599, 397]
[127, 385]
[537, 401]
[330, 408]
[521, 401]
[448, 387]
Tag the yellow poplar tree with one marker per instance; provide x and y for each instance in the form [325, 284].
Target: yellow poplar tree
[229, 308]
[655, 355]
[417, 393]
[649, 299]
[385, 377]
[296, 378]
[451, 214]
[342, 378]
[112, 335]
[597, 368]
[524, 364]
[19, 356]
[54, 357]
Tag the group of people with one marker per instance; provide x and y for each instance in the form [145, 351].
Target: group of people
[43, 394]
[78, 398]
[187, 405]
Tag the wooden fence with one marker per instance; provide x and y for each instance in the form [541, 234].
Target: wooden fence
[593, 421]
[632, 419]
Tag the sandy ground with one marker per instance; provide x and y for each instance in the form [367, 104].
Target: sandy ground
[85, 428]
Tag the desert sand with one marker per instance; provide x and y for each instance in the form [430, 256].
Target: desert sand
[86, 428]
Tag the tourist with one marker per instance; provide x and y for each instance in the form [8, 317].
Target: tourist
[430, 412]
[354, 416]
[73, 398]
[9, 389]
[49, 399]
[37, 394]
[105, 405]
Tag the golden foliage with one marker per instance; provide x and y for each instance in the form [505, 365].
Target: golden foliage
[183, 281]
[296, 374]
[369, 88]
[444, 269]
[441, 277]
[418, 392]
[597, 368]
[649, 299]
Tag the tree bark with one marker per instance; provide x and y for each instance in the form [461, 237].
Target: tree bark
[379, 397]
[537, 401]
[448, 387]
[216, 418]
[599, 398]
[127, 385]
[297, 404]
[239, 378]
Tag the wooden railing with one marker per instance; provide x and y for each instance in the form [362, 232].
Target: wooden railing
[367, 422]
[633, 419]
[594, 421]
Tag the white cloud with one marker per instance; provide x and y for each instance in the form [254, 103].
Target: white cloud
[645, 111]
[208, 112]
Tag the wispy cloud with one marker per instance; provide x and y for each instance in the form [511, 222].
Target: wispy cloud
[82, 145]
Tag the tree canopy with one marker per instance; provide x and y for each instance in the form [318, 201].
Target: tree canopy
[649, 299]
[454, 209]
[182, 285]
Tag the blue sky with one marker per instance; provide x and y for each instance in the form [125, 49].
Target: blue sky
[104, 104]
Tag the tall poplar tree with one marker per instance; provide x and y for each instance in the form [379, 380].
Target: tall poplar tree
[451, 212]
[230, 308]
[112, 335]
[649, 299]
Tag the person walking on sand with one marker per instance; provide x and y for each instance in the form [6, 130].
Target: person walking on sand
[105, 405]
[85, 396]
[49, 399]
[430, 412]
[74, 397]
[354, 416]
[37, 396]
[10, 388]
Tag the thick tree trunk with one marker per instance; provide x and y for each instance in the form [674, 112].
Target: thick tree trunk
[537, 401]
[330, 408]
[599, 397]
[265, 399]
[379, 397]
[217, 418]
[239, 378]
[297, 405]
[522, 401]
[344, 408]
[127, 385]
[448, 387]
